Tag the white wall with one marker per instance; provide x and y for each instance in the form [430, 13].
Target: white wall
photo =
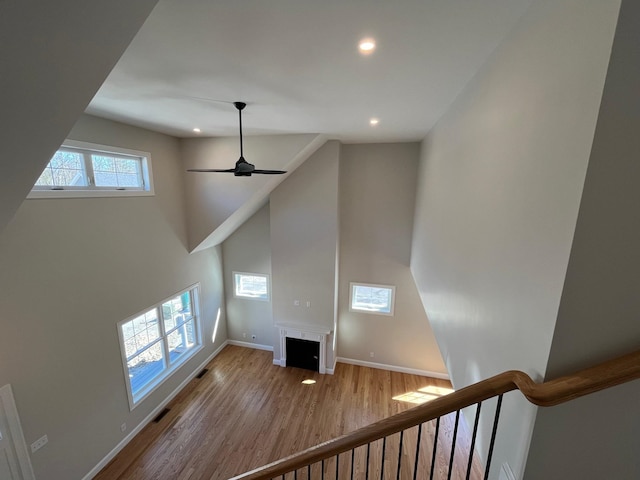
[377, 196]
[499, 188]
[73, 268]
[49, 75]
[248, 249]
[304, 236]
[597, 436]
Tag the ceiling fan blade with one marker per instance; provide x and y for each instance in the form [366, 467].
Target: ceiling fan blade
[217, 170]
[270, 172]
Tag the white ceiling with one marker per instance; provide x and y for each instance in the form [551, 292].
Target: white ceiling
[296, 64]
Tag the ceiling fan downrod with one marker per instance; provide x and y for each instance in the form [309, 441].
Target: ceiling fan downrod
[240, 106]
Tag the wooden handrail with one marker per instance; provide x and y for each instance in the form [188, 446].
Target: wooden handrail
[554, 392]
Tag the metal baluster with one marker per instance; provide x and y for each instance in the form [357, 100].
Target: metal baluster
[473, 440]
[400, 455]
[493, 437]
[295, 474]
[322, 470]
[309, 472]
[435, 446]
[353, 454]
[415, 466]
[368, 453]
[453, 445]
[384, 445]
[337, 464]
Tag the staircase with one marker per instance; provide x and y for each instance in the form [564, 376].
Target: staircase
[414, 434]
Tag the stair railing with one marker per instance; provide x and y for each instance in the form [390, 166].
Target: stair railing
[313, 462]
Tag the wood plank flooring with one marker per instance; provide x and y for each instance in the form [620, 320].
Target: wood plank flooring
[246, 412]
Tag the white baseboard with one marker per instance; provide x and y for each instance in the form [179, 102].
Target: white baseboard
[257, 346]
[333, 368]
[506, 473]
[393, 368]
[94, 471]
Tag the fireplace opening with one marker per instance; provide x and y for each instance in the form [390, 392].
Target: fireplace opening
[303, 354]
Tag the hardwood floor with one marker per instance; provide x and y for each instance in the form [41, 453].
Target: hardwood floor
[246, 412]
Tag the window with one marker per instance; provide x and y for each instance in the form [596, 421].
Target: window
[251, 285]
[157, 341]
[368, 298]
[81, 169]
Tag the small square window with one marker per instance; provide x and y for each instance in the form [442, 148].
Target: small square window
[251, 285]
[368, 298]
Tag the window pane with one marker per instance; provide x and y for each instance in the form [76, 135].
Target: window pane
[371, 298]
[181, 340]
[65, 169]
[105, 179]
[146, 366]
[157, 342]
[111, 171]
[176, 311]
[140, 332]
[252, 286]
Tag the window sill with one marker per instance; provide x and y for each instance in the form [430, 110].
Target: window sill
[49, 194]
[136, 399]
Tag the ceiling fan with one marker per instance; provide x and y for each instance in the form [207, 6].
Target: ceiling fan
[242, 168]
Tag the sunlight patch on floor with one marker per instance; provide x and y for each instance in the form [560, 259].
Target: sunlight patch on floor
[438, 391]
[423, 394]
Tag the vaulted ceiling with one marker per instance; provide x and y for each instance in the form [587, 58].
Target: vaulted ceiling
[295, 62]
[297, 65]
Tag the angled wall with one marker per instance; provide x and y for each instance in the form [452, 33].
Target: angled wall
[499, 189]
[597, 436]
[71, 270]
[377, 196]
[55, 56]
[218, 203]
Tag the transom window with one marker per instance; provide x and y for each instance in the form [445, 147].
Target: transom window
[85, 169]
[251, 285]
[368, 298]
[157, 341]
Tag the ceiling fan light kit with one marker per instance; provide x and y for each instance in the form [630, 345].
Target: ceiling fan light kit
[242, 168]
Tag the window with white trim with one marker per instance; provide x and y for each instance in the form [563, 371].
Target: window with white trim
[369, 298]
[156, 341]
[80, 169]
[251, 285]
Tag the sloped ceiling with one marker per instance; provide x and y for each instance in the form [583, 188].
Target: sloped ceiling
[55, 56]
[297, 66]
[295, 63]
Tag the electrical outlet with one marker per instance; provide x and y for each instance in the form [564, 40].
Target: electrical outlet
[253, 337]
[371, 354]
[308, 303]
[244, 335]
[38, 444]
[123, 427]
[296, 303]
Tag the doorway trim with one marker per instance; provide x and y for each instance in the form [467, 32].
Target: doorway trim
[17, 437]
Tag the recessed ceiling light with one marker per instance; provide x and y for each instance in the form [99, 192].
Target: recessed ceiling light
[373, 122]
[367, 46]
[197, 130]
